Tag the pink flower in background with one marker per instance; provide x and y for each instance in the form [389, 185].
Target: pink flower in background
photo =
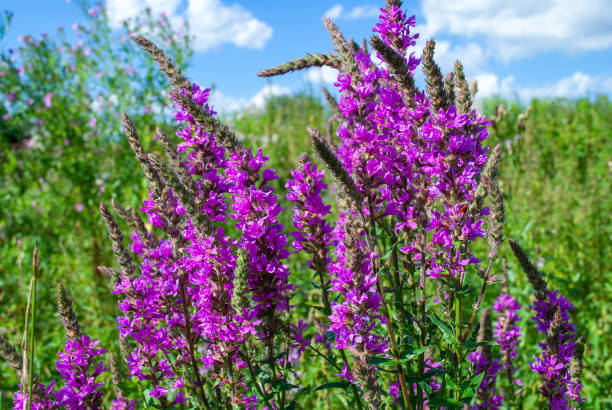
[87, 51]
[30, 101]
[21, 39]
[11, 97]
[6, 117]
[75, 26]
[92, 122]
[21, 70]
[92, 12]
[79, 207]
[147, 109]
[99, 74]
[47, 99]
[67, 142]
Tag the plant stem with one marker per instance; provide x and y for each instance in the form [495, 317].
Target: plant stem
[328, 311]
[373, 245]
[483, 289]
[194, 362]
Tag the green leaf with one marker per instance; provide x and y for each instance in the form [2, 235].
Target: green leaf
[447, 403]
[333, 385]
[447, 333]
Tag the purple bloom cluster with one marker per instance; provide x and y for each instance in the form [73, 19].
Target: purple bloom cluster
[181, 301]
[552, 318]
[487, 392]
[507, 333]
[354, 318]
[410, 161]
[79, 365]
[314, 234]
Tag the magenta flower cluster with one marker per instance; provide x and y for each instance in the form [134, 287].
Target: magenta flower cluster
[79, 366]
[553, 320]
[507, 334]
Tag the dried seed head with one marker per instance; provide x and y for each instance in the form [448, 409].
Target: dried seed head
[9, 353]
[533, 274]
[340, 176]
[497, 217]
[309, 60]
[120, 210]
[240, 296]
[578, 360]
[332, 102]
[489, 171]
[185, 196]
[398, 67]
[343, 48]
[166, 65]
[67, 315]
[124, 259]
[155, 182]
[433, 78]
[463, 96]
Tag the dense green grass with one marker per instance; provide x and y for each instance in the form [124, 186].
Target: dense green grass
[556, 177]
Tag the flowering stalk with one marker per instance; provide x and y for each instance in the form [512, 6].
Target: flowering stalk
[553, 321]
[507, 334]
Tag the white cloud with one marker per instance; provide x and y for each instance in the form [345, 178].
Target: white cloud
[471, 55]
[226, 104]
[521, 28]
[338, 12]
[266, 92]
[578, 84]
[321, 75]
[212, 22]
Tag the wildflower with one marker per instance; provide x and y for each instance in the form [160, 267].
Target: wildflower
[507, 333]
[47, 99]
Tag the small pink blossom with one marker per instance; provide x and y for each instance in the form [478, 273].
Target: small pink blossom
[79, 207]
[67, 142]
[147, 109]
[11, 97]
[47, 99]
[92, 122]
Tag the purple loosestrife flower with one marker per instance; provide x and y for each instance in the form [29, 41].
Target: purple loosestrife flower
[355, 317]
[38, 403]
[508, 334]
[488, 399]
[255, 212]
[552, 318]
[314, 234]
[79, 365]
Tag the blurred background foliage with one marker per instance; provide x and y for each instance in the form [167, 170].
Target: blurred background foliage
[62, 152]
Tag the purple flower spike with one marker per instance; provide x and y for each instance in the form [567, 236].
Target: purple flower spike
[552, 318]
[508, 334]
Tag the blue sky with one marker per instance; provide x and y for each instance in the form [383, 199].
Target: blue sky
[519, 48]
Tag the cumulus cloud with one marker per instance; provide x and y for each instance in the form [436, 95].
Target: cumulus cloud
[578, 84]
[226, 104]
[321, 75]
[212, 22]
[339, 12]
[522, 28]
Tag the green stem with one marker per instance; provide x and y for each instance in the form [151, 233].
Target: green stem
[328, 311]
[32, 342]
